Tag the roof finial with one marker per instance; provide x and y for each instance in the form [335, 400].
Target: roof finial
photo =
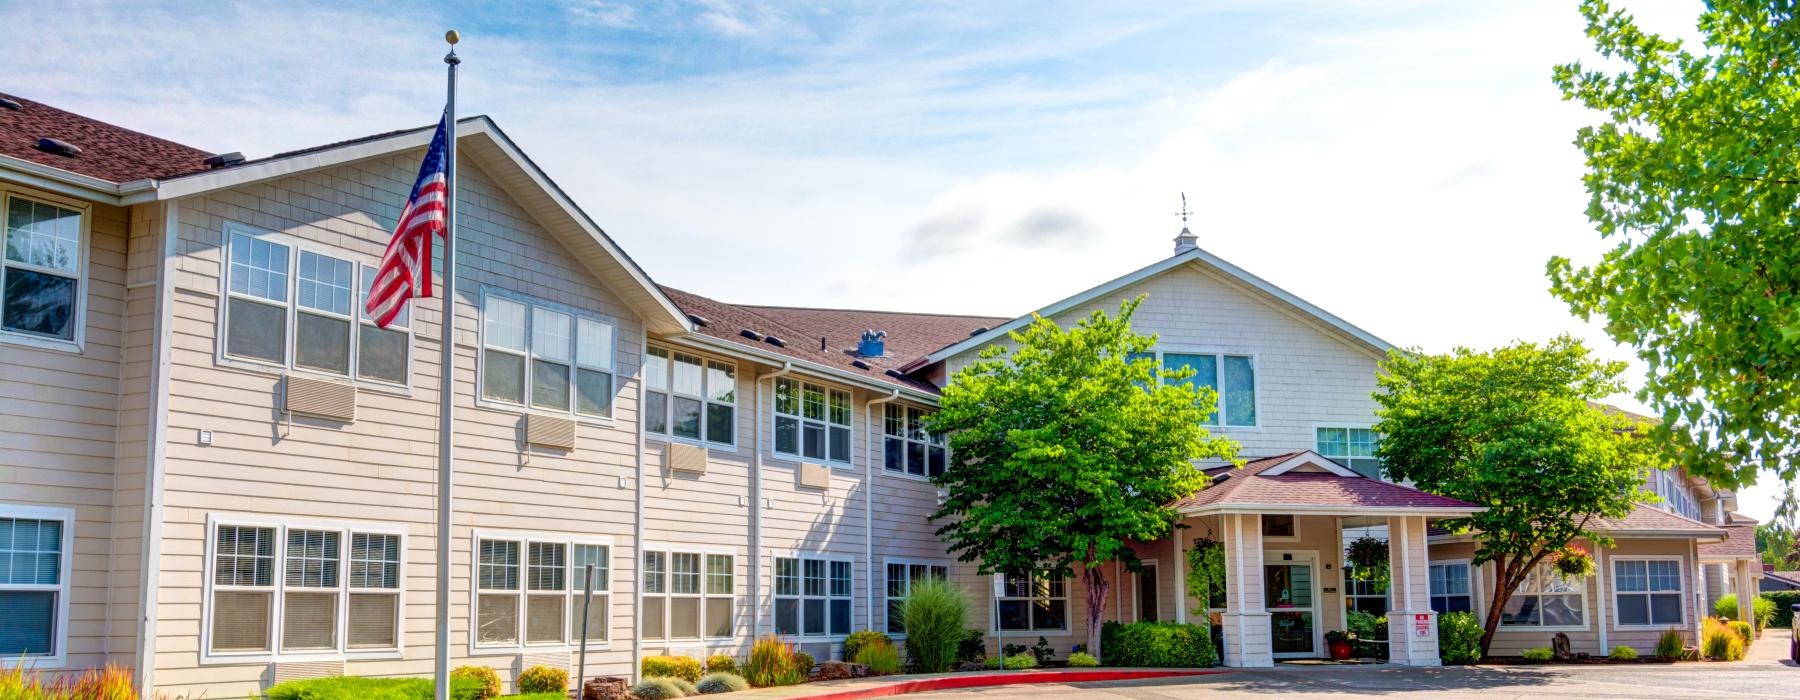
[1184, 210]
[1186, 240]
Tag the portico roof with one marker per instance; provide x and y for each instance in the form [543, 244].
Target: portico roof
[1306, 483]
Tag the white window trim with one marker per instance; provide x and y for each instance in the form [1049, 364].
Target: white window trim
[800, 616]
[281, 525]
[998, 582]
[881, 426]
[1474, 581]
[1316, 427]
[296, 246]
[775, 414]
[570, 593]
[669, 403]
[1271, 538]
[1680, 592]
[481, 346]
[907, 562]
[64, 587]
[1255, 373]
[1587, 613]
[83, 248]
[668, 551]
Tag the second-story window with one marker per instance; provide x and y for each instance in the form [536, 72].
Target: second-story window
[909, 449]
[1232, 376]
[1351, 447]
[690, 397]
[544, 356]
[40, 278]
[812, 421]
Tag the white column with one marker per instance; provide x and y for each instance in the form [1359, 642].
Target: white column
[1412, 625]
[1180, 561]
[1746, 594]
[1248, 642]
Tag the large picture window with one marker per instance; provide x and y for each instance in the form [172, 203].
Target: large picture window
[1232, 377]
[812, 421]
[813, 596]
[901, 575]
[909, 449]
[688, 595]
[1353, 448]
[281, 589]
[545, 356]
[1450, 590]
[686, 396]
[277, 292]
[1648, 592]
[1032, 603]
[528, 590]
[1547, 599]
[42, 268]
[35, 543]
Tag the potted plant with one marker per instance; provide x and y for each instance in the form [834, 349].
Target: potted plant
[1573, 561]
[1339, 643]
[1366, 556]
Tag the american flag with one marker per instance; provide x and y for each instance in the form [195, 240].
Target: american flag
[405, 270]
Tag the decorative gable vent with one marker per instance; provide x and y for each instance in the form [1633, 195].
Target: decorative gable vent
[872, 344]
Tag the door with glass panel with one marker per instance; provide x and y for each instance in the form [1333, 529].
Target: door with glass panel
[1290, 592]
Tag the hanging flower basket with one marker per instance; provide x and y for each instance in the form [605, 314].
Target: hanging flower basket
[1367, 556]
[1573, 562]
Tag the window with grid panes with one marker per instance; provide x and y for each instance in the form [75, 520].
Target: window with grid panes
[317, 578]
[1032, 603]
[813, 596]
[32, 587]
[901, 575]
[1648, 591]
[529, 588]
[690, 397]
[41, 271]
[1353, 448]
[545, 356]
[1547, 598]
[812, 421]
[1232, 377]
[598, 612]
[907, 447]
[1449, 584]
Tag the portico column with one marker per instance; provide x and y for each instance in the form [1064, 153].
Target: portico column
[1180, 561]
[1412, 625]
[1246, 621]
[1746, 594]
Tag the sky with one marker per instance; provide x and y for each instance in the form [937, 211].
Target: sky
[1406, 165]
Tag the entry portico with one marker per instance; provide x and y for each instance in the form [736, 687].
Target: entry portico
[1280, 521]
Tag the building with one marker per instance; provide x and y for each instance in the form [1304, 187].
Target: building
[215, 471]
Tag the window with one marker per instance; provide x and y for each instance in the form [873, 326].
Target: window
[901, 575]
[1277, 526]
[1366, 594]
[1669, 484]
[1037, 603]
[812, 596]
[1351, 447]
[1547, 599]
[1147, 598]
[1649, 591]
[1232, 377]
[545, 356]
[279, 589]
[688, 595]
[690, 397]
[270, 284]
[909, 448]
[1450, 587]
[40, 274]
[812, 421]
[528, 591]
[34, 583]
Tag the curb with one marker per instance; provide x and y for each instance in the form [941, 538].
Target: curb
[987, 680]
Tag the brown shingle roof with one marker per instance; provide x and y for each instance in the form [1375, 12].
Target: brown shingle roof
[108, 152]
[1740, 543]
[910, 335]
[1248, 486]
[1652, 519]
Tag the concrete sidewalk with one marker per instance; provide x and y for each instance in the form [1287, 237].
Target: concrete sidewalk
[893, 685]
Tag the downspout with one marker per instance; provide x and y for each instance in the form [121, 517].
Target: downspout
[156, 450]
[637, 523]
[869, 503]
[756, 517]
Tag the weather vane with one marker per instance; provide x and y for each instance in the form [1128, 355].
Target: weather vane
[1184, 210]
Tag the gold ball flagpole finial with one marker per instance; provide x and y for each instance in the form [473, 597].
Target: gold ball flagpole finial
[452, 37]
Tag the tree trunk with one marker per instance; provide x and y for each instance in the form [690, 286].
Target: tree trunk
[1097, 586]
[1502, 593]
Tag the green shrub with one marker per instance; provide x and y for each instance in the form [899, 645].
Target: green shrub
[805, 661]
[1082, 659]
[773, 662]
[1743, 630]
[362, 688]
[721, 663]
[657, 688]
[1784, 607]
[1459, 638]
[972, 648]
[854, 642]
[1537, 654]
[1371, 632]
[1623, 653]
[1763, 610]
[721, 682]
[1014, 663]
[880, 655]
[1725, 608]
[1669, 645]
[686, 687]
[1719, 642]
[487, 679]
[543, 679]
[935, 615]
[1156, 645]
[686, 668]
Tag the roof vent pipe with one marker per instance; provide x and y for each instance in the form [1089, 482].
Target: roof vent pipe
[223, 160]
[11, 104]
[58, 147]
[872, 344]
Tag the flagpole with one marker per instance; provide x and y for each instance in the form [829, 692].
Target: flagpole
[447, 381]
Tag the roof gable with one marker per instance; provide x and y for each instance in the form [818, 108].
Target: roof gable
[1302, 482]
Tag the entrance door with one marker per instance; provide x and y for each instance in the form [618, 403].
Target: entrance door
[1146, 595]
[1290, 592]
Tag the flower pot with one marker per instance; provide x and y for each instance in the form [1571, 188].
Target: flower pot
[1339, 650]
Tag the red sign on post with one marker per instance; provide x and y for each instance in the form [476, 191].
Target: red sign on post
[1422, 625]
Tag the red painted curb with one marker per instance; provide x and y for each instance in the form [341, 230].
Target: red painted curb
[993, 679]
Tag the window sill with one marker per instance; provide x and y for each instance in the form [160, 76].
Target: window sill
[279, 371]
[1536, 628]
[518, 410]
[228, 659]
[40, 342]
[788, 461]
[34, 662]
[731, 448]
[921, 478]
[536, 648]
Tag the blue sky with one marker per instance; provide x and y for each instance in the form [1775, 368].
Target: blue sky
[1404, 164]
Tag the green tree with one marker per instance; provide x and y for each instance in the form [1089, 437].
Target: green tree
[1778, 541]
[1067, 450]
[1513, 430]
[1695, 172]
